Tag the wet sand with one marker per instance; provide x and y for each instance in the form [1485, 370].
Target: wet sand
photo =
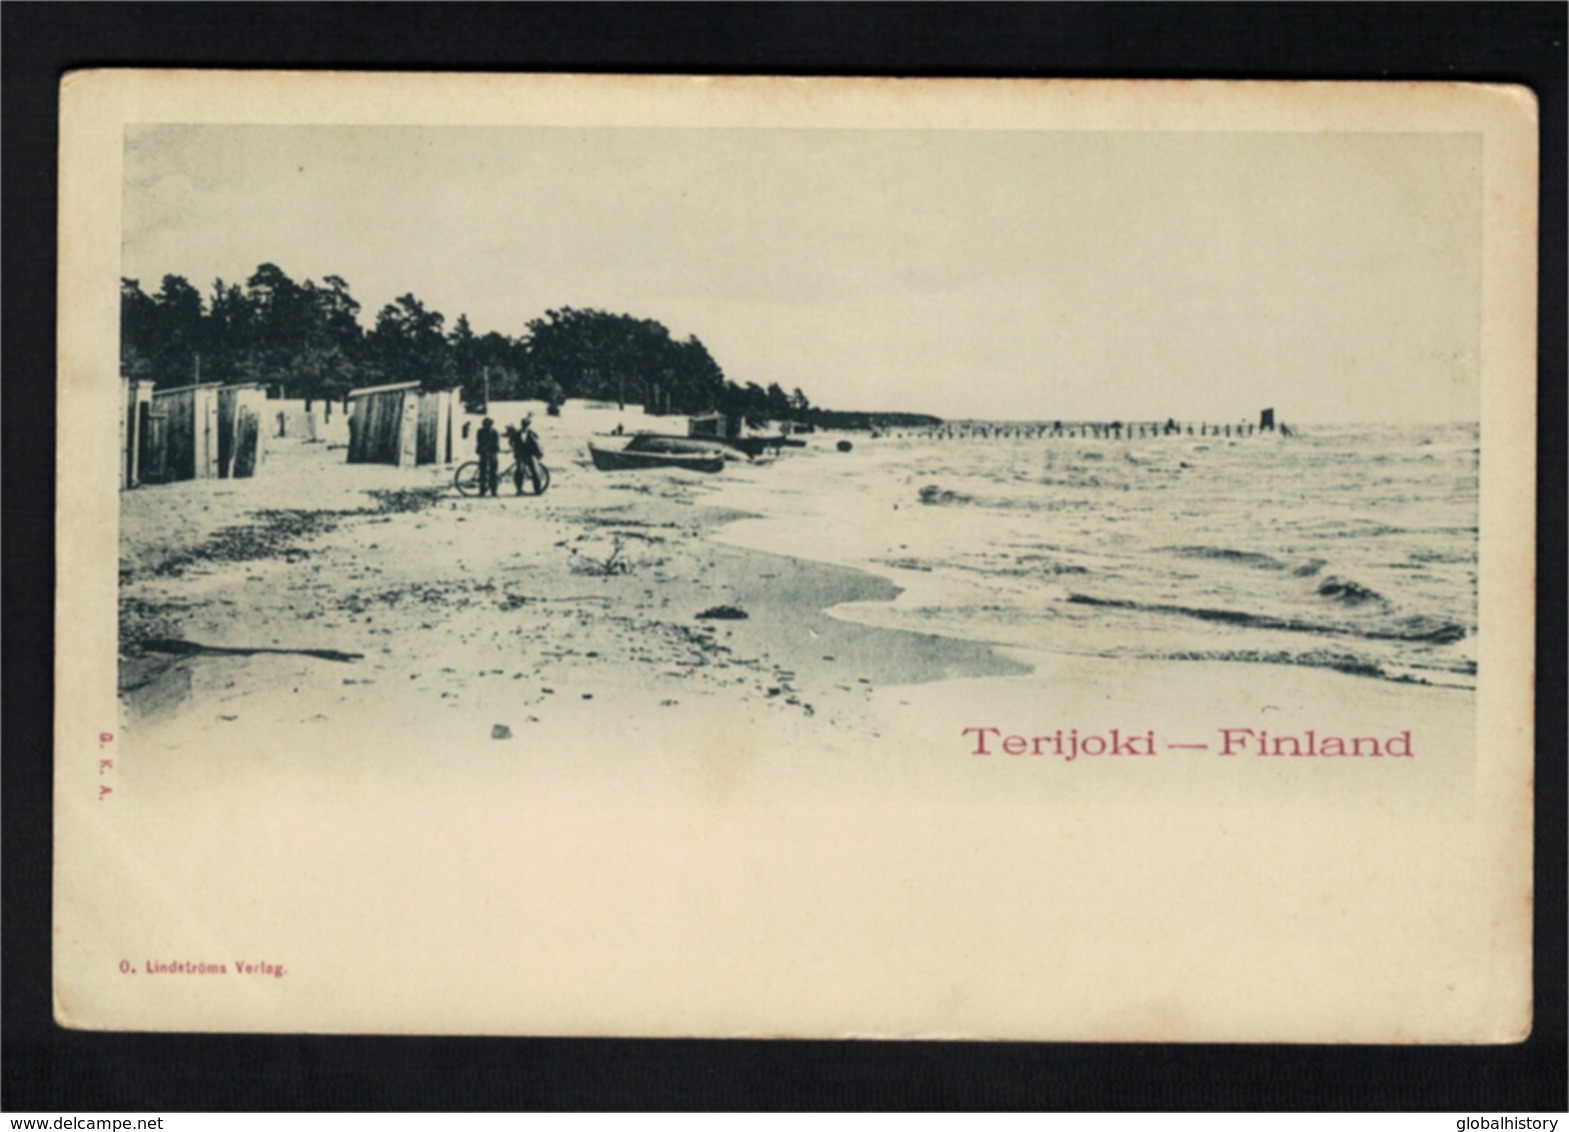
[608, 589]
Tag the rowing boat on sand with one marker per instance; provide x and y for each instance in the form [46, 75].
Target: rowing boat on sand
[614, 460]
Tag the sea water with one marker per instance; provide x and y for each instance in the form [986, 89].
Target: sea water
[1352, 547]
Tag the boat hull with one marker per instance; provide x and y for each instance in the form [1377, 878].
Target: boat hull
[683, 445]
[623, 460]
[749, 446]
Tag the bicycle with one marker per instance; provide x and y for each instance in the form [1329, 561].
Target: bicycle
[466, 479]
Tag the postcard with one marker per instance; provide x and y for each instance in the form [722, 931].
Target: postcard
[786, 557]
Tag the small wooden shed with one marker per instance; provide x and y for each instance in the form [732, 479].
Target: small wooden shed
[401, 425]
[197, 432]
[182, 435]
[719, 426]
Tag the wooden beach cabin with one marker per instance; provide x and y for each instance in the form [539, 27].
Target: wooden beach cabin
[717, 426]
[401, 425]
[182, 441]
[197, 432]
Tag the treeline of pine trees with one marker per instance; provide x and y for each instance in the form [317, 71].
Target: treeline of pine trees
[307, 338]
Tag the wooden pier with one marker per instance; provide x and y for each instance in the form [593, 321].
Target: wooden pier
[1108, 430]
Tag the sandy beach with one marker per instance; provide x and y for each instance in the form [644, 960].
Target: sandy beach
[607, 595]
[321, 595]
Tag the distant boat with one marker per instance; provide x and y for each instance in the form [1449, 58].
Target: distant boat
[627, 459]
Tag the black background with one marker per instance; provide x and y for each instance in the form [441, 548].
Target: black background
[46, 1069]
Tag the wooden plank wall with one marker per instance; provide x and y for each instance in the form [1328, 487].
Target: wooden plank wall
[449, 405]
[376, 429]
[436, 410]
[429, 422]
[247, 439]
[227, 399]
[408, 430]
[179, 412]
[153, 443]
[127, 416]
[131, 394]
[205, 424]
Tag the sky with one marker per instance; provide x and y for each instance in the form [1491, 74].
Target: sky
[993, 274]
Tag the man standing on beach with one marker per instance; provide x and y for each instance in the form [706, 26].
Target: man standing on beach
[488, 446]
[526, 453]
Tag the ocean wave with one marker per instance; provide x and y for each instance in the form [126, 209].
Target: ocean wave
[1032, 564]
[1381, 530]
[1339, 662]
[1428, 630]
[1254, 559]
[1460, 556]
[1347, 592]
[1417, 628]
[1226, 554]
[1348, 663]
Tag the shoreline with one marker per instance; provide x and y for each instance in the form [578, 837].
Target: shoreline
[577, 622]
[250, 525]
[577, 588]
[550, 765]
[938, 589]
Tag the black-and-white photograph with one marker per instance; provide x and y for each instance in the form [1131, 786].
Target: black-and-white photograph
[804, 558]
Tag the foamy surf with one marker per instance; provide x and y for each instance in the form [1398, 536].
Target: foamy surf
[1350, 549]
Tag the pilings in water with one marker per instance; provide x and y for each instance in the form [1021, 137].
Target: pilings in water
[1103, 430]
